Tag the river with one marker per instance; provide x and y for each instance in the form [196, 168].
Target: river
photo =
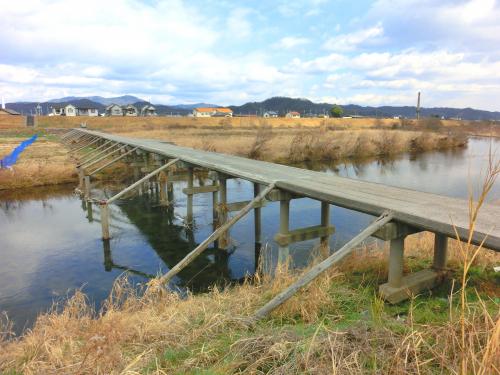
[50, 242]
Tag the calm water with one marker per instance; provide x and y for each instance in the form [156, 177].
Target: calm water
[50, 242]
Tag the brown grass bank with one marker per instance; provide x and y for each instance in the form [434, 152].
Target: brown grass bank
[299, 144]
[45, 162]
[336, 325]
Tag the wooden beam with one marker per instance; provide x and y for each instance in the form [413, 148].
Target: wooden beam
[317, 270]
[281, 195]
[214, 236]
[137, 183]
[200, 189]
[94, 140]
[236, 206]
[95, 149]
[303, 234]
[112, 161]
[88, 165]
[91, 157]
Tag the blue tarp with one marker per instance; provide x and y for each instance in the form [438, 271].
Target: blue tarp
[11, 159]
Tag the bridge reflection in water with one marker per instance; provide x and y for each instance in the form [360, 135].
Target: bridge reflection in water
[170, 238]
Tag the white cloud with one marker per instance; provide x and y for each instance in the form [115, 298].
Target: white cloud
[238, 24]
[289, 42]
[351, 41]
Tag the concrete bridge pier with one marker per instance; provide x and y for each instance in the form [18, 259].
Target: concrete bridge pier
[399, 286]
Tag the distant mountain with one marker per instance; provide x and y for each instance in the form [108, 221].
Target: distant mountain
[120, 100]
[193, 106]
[282, 105]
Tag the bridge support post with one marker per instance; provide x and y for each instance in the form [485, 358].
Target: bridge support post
[215, 204]
[400, 287]
[283, 250]
[190, 185]
[81, 177]
[257, 217]
[90, 212]
[104, 220]
[87, 187]
[325, 222]
[222, 214]
[440, 252]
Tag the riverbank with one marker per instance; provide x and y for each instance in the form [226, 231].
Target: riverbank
[47, 162]
[336, 325]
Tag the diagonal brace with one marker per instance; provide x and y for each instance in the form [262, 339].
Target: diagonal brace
[215, 235]
[112, 161]
[323, 266]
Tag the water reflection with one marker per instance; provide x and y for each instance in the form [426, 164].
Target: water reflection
[50, 240]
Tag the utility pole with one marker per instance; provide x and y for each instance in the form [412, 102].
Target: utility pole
[418, 106]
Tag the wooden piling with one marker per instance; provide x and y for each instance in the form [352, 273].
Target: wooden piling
[257, 217]
[189, 208]
[104, 220]
[440, 251]
[325, 222]
[283, 250]
[222, 215]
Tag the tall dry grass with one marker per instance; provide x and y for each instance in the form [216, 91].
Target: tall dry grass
[158, 332]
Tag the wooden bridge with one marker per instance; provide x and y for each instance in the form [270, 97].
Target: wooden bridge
[400, 212]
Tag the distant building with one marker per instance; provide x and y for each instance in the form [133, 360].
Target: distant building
[212, 112]
[269, 114]
[87, 111]
[148, 110]
[129, 110]
[293, 114]
[114, 110]
[62, 110]
[8, 112]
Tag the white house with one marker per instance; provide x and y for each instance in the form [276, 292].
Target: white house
[148, 110]
[293, 114]
[63, 110]
[129, 110]
[87, 111]
[269, 114]
[212, 112]
[114, 110]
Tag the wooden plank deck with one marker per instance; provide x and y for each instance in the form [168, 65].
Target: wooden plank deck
[427, 211]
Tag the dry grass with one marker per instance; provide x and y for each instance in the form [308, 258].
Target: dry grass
[298, 145]
[45, 162]
[335, 325]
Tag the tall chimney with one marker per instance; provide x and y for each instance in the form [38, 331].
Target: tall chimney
[418, 106]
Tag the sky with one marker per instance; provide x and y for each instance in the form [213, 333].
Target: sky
[230, 52]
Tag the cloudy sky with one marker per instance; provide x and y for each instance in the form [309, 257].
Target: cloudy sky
[230, 52]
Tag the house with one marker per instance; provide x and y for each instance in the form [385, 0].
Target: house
[87, 111]
[212, 112]
[129, 110]
[293, 114]
[269, 114]
[8, 112]
[63, 110]
[148, 110]
[114, 110]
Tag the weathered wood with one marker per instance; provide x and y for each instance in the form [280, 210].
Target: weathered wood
[440, 252]
[93, 141]
[257, 218]
[278, 195]
[317, 270]
[425, 211]
[236, 206]
[112, 161]
[393, 230]
[137, 183]
[214, 236]
[325, 223]
[303, 234]
[94, 156]
[200, 189]
[88, 165]
[104, 220]
[97, 149]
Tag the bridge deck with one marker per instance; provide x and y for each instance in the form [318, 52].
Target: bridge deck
[427, 211]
